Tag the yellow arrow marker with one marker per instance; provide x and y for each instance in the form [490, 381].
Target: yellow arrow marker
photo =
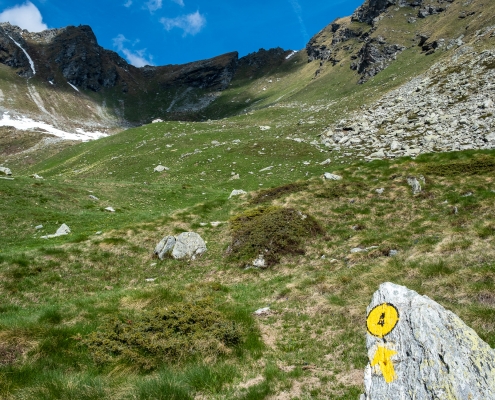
[384, 361]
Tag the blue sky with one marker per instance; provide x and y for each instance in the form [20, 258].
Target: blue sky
[159, 32]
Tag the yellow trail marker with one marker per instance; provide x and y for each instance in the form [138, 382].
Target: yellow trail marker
[383, 359]
[382, 320]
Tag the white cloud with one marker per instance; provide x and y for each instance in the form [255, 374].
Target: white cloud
[128, 4]
[135, 57]
[154, 5]
[179, 2]
[191, 24]
[26, 16]
[298, 10]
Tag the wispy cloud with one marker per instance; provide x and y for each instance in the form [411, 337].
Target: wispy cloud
[128, 4]
[154, 5]
[137, 58]
[191, 24]
[26, 16]
[179, 2]
[298, 10]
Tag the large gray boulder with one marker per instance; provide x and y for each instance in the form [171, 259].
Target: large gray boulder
[186, 245]
[419, 350]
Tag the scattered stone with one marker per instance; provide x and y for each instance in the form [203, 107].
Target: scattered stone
[92, 197]
[262, 311]
[326, 162]
[332, 177]
[5, 171]
[160, 168]
[214, 224]
[266, 169]
[414, 183]
[156, 121]
[238, 192]
[38, 227]
[418, 349]
[98, 233]
[264, 128]
[380, 191]
[234, 177]
[468, 194]
[109, 209]
[186, 245]
[357, 250]
[63, 230]
[150, 279]
[36, 176]
[393, 253]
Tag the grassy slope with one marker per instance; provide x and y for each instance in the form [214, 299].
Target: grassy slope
[53, 293]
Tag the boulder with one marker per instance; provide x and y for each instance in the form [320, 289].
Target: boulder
[186, 245]
[419, 350]
[165, 246]
[5, 171]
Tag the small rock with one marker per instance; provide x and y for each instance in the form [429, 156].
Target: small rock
[264, 128]
[98, 233]
[214, 224]
[5, 171]
[238, 192]
[332, 177]
[260, 262]
[262, 311]
[160, 168]
[63, 230]
[380, 191]
[393, 253]
[326, 162]
[93, 197]
[357, 250]
[266, 169]
[36, 176]
[109, 209]
[415, 186]
[156, 121]
[38, 227]
[150, 279]
[234, 177]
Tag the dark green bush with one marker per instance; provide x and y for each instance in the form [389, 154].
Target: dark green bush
[278, 192]
[271, 231]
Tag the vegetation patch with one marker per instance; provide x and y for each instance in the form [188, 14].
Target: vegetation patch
[278, 192]
[341, 189]
[474, 166]
[174, 334]
[272, 232]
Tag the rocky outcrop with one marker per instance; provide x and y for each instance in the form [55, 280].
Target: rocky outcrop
[450, 107]
[375, 56]
[419, 350]
[372, 9]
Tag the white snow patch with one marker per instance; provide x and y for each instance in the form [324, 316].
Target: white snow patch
[24, 123]
[26, 53]
[73, 87]
[291, 55]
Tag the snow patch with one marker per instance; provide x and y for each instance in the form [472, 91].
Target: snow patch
[26, 53]
[291, 55]
[24, 123]
[73, 87]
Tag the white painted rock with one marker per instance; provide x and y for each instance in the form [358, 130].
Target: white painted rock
[419, 350]
[5, 171]
[237, 193]
[332, 177]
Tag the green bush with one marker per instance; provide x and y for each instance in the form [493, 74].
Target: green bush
[271, 231]
[177, 333]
